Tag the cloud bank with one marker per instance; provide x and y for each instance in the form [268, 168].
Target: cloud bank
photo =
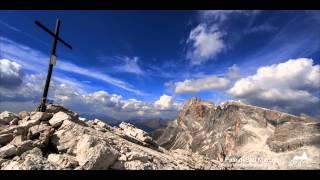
[66, 92]
[10, 74]
[288, 86]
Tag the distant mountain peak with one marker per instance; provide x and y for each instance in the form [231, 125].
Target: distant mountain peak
[237, 129]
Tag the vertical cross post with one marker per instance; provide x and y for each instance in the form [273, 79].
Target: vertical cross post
[42, 107]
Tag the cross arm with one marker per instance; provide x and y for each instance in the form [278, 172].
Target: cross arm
[52, 34]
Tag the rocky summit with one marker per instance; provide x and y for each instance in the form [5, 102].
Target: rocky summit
[59, 140]
[245, 136]
[204, 136]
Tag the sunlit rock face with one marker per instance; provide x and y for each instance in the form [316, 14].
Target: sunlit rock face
[233, 130]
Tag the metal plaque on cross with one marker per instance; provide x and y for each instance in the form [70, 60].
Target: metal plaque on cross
[53, 59]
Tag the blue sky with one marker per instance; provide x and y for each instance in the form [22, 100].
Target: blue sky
[136, 57]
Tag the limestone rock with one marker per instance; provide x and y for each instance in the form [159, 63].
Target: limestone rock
[11, 165]
[7, 151]
[118, 165]
[292, 135]
[2, 161]
[23, 114]
[44, 138]
[18, 139]
[14, 122]
[24, 146]
[35, 151]
[29, 123]
[138, 165]
[64, 161]
[58, 118]
[41, 116]
[100, 123]
[24, 120]
[94, 153]
[5, 138]
[90, 123]
[137, 156]
[31, 160]
[6, 117]
[54, 108]
[34, 131]
[66, 137]
[134, 132]
[136, 135]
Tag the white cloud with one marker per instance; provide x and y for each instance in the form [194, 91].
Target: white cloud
[233, 72]
[96, 104]
[201, 84]
[10, 74]
[130, 65]
[103, 104]
[206, 40]
[294, 74]
[70, 93]
[165, 102]
[29, 90]
[288, 86]
[284, 95]
[206, 44]
[265, 27]
[223, 15]
[133, 105]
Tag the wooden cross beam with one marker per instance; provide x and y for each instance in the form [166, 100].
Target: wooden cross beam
[42, 107]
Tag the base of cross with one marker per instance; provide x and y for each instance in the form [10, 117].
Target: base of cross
[42, 107]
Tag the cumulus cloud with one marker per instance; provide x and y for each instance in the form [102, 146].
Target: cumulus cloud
[201, 84]
[164, 103]
[11, 74]
[130, 65]
[104, 104]
[233, 72]
[288, 86]
[294, 74]
[31, 89]
[70, 93]
[207, 39]
[206, 42]
[96, 104]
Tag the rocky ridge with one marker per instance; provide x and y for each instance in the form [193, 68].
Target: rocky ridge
[59, 139]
